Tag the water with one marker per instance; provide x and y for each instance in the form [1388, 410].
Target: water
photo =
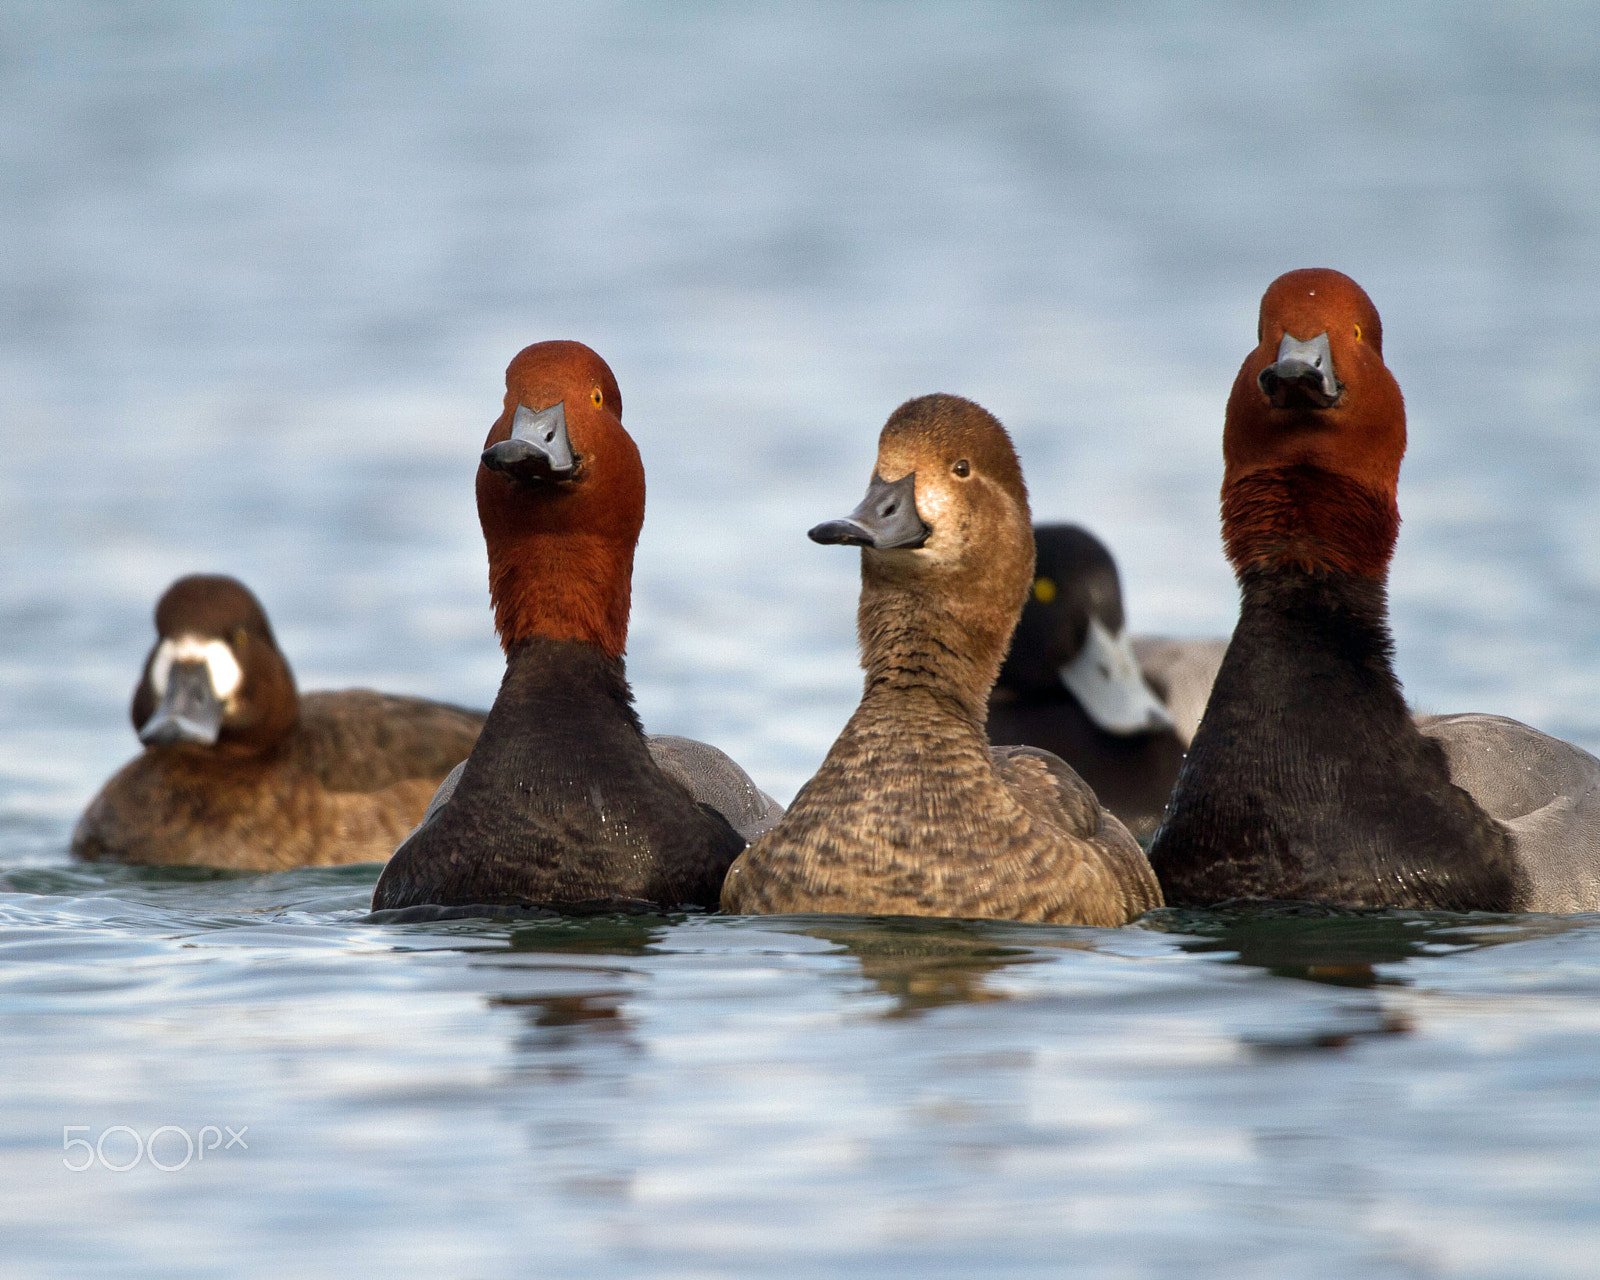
[264, 267]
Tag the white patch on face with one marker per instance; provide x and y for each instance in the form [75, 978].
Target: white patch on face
[222, 668]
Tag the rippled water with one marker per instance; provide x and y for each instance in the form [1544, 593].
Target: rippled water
[264, 266]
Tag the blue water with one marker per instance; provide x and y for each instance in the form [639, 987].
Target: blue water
[264, 265]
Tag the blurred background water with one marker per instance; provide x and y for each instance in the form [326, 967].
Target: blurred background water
[263, 267]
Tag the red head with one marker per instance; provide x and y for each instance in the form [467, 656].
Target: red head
[561, 501]
[1316, 428]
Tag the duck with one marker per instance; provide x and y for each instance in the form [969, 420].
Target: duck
[1309, 778]
[241, 772]
[1120, 709]
[913, 812]
[564, 802]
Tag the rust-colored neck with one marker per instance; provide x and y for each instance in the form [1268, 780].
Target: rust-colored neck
[561, 586]
[561, 554]
[1307, 518]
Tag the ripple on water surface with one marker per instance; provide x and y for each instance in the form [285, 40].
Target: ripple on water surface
[1206, 1093]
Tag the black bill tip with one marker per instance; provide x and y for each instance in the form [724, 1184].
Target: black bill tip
[523, 461]
[1302, 376]
[840, 533]
[886, 520]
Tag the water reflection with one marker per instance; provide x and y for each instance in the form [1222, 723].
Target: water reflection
[620, 934]
[1342, 946]
[928, 963]
[561, 1023]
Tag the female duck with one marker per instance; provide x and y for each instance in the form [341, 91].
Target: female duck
[1308, 777]
[240, 772]
[564, 801]
[1119, 709]
[912, 812]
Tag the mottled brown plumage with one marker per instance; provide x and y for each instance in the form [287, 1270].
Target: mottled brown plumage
[912, 812]
[291, 780]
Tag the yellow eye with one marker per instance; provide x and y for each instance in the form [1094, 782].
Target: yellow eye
[962, 468]
[239, 638]
[1044, 590]
[597, 398]
[1358, 333]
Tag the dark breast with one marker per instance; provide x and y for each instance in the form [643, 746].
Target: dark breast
[1309, 780]
[561, 803]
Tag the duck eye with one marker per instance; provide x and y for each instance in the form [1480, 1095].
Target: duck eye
[597, 398]
[1044, 590]
[239, 638]
[962, 468]
[1358, 333]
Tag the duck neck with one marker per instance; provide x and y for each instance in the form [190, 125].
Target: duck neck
[1309, 518]
[1328, 628]
[916, 647]
[560, 702]
[556, 585]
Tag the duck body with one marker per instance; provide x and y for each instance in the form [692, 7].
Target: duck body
[936, 822]
[562, 802]
[351, 778]
[1545, 792]
[1308, 777]
[241, 771]
[913, 812]
[1332, 794]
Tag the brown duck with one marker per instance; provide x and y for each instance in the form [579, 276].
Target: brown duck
[241, 772]
[913, 812]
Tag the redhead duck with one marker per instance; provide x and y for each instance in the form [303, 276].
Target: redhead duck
[240, 772]
[913, 812]
[1308, 777]
[564, 802]
[1119, 709]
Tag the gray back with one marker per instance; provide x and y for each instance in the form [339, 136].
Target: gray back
[1546, 791]
[715, 780]
[1186, 669]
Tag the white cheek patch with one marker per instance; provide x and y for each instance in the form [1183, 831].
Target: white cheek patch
[161, 668]
[226, 674]
[222, 667]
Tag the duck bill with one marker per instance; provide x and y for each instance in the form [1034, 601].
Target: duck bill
[190, 711]
[1302, 375]
[538, 451]
[886, 520]
[1108, 683]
